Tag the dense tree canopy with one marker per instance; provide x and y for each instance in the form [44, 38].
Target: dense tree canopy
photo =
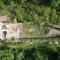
[36, 11]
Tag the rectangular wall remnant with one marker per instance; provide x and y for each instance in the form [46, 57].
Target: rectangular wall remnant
[12, 30]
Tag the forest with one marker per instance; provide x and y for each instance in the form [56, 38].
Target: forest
[37, 13]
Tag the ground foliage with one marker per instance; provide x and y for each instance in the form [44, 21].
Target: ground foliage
[34, 50]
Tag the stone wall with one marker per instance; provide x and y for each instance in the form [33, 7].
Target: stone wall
[12, 30]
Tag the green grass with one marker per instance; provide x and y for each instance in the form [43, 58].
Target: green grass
[30, 29]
